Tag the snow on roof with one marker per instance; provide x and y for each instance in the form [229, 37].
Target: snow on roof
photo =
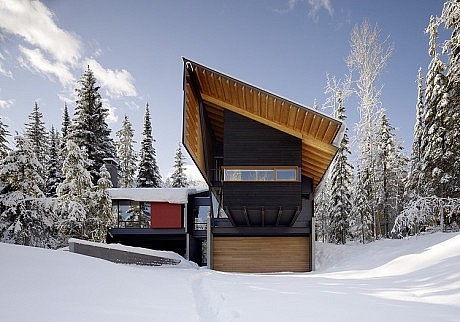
[170, 195]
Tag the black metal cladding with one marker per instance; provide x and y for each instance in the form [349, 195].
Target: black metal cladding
[250, 143]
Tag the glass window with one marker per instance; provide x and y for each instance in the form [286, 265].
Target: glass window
[232, 175]
[286, 174]
[132, 213]
[265, 175]
[145, 214]
[261, 174]
[123, 207]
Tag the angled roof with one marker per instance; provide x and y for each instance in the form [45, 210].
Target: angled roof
[320, 134]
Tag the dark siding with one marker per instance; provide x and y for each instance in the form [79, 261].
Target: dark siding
[304, 218]
[262, 194]
[250, 143]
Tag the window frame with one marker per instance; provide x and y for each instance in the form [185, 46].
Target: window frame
[274, 169]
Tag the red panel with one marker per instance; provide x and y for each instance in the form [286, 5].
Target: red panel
[166, 215]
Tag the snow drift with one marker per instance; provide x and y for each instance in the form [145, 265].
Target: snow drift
[390, 280]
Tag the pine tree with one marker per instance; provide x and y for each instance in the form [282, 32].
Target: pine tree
[26, 217]
[149, 174]
[361, 219]
[126, 154]
[37, 134]
[341, 175]
[53, 169]
[413, 188]
[101, 217]
[90, 130]
[368, 57]
[75, 194]
[341, 180]
[434, 145]
[4, 149]
[178, 178]
[65, 129]
[391, 169]
[451, 18]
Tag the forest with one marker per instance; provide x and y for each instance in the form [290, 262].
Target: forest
[53, 184]
[386, 192]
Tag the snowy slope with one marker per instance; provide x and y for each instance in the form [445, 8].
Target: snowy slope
[389, 280]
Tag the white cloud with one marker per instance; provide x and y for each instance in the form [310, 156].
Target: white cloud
[112, 117]
[33, 21]
[6, 73]
[117, 83]
[132, 105]
[35, 61]
[317, 5]
[4, 104]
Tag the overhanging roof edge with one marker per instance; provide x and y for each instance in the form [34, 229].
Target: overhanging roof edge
[338, 135]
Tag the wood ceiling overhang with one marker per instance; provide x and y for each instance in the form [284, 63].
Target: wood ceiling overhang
[214, 92]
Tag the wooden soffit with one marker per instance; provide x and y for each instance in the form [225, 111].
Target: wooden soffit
[319, 133]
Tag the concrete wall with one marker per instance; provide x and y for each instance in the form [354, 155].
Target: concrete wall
[118, 256]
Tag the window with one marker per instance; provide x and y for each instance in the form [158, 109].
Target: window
[286, 174]
[131, 213]
[201, 217]
[261, 174]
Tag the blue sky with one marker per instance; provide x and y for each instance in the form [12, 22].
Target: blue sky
[134, 48]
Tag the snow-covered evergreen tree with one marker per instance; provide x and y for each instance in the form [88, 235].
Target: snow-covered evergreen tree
[450, 17]
[90, 130]
[413, 188]
[4, 148]
[436, 154]
[126, 155]
[340, 177]
[361, 220]
[391, 170]
[53, 168]
[101, 217]
[37, 134]
[26, 217]
[178, 178]
[65, 129]
[341, 180]
[149, 173]
[75, 194]
[368, 57]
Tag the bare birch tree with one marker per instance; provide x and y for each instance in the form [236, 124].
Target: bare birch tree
[368, 57]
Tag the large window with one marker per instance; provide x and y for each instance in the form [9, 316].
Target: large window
[131, 213]
[261, 173]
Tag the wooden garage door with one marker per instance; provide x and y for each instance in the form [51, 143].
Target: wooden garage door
[261, 254]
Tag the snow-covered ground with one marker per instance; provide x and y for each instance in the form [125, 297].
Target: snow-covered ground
[390, 280]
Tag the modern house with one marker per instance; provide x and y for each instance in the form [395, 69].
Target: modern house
[262, 157]
[173, 219]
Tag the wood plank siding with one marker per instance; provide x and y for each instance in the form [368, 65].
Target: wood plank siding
[262, 254]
